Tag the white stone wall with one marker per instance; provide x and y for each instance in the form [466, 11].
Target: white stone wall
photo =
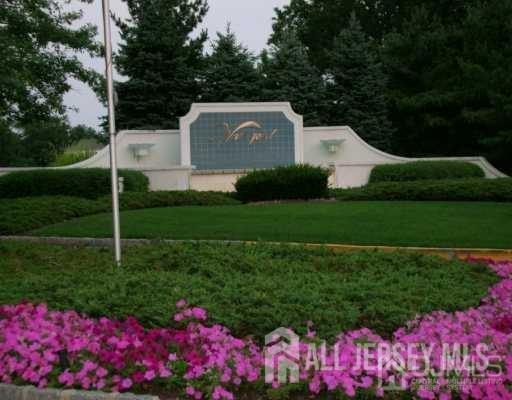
[162, 165]
[224, 182]
[168, 169]
[355, 159]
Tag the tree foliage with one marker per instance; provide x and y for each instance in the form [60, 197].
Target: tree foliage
[318, 22]
[451, 84]
[357, 87]
[289, 76]
[447, 64]
[161, 61]
[39, 43]
[230, 74]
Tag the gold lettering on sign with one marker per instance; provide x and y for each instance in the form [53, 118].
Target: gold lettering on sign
[238, 133]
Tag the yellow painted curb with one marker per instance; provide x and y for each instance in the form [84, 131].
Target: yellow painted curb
[448, 253]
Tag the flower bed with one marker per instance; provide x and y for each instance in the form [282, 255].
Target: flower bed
[65, 349]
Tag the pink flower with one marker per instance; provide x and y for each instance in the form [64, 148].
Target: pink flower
[181, 304]
[149, 375]
[126, 383]
[199, 314]
[66, 378]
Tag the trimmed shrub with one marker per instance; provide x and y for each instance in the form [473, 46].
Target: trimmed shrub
[499, 190]
[425, 170]
[89, 183]
[134, 181]
[26, 214]
[281, 183]
[138, 200]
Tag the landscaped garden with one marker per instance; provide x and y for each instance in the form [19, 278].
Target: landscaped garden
[190, 319]
[380, 268]
[388, 211]
[248, 289]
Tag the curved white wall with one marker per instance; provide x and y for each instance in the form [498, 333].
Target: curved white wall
[355, 159]
[162, 165]
[168, 170]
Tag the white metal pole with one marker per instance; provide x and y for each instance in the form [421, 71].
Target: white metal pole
[112, 131]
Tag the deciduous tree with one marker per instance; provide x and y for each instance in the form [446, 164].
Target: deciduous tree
[39, 44]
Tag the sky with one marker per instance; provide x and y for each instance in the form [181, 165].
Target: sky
[250, 20]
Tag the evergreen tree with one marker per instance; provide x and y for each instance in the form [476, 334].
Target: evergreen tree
[357, 87]
[452, 84]
[161, 61]
[319, 22]
[289, 76]
[230, 74]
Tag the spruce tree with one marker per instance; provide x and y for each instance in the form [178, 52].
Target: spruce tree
[161, 61]
[452, 84]
[289, 76]
[357, 87]
[230, 74]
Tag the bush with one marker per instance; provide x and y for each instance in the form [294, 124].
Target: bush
[26, 214]
[89, 183]
[137, 200]
[250, 289]
[292, 182]
[425, 170]
[499, 190]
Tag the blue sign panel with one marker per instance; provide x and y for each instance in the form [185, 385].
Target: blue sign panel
[241, 140]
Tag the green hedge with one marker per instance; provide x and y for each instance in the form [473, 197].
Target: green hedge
[425, 170]
[87, 183]
[25, 214]
[29, 213]
[499, 190]
[137, 200]
[292, 182]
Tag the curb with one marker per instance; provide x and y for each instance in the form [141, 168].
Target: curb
[447, 253]
[13, 392]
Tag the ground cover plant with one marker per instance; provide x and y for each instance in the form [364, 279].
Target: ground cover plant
[194, 357]
[498, 190]
[250, 289]
[438, 224]
[425, 170]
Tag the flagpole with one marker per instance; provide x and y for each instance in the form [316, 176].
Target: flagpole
[112, 131]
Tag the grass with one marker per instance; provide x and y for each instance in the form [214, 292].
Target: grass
[252, 289]
[440, 224]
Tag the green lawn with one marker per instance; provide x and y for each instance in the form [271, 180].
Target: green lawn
[252, 289]
[440, 224]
